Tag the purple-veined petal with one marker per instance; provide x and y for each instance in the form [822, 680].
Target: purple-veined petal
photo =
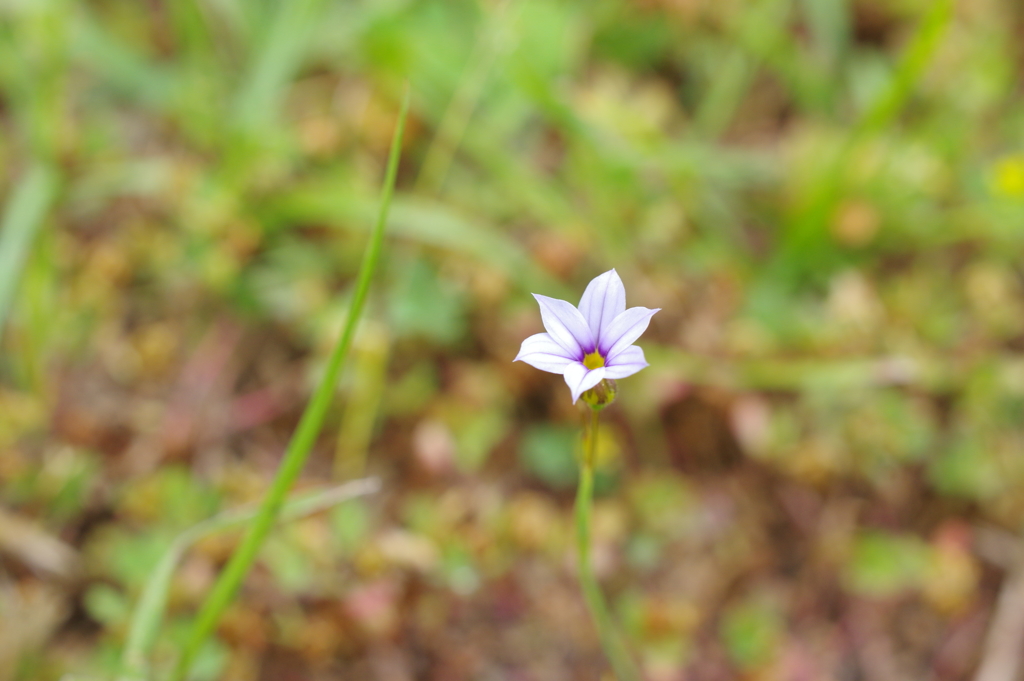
[541, 351]
[625, 329]
[626, 363]
[603, 301]
[580, 379]
[566, 325]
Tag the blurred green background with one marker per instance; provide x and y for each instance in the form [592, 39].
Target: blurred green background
[819, 477]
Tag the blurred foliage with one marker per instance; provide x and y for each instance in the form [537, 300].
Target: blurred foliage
[823, 196]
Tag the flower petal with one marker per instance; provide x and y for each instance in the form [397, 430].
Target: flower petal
[566, 325]
[625, 329]
[541, 351]
[603, 301]
[626, 363]
[580, 379]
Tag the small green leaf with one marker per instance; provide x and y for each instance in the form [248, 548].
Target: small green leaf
[884, 565]
[548, 453]
[751, 632]
[350, 523]
[106, 604]
[426, 306]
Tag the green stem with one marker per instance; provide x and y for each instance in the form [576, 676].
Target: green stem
[612, 643]
[22, 219]
[302, 440]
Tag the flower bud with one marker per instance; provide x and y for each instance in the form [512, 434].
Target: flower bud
[601, 395]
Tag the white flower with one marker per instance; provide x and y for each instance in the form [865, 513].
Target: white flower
[591, 343]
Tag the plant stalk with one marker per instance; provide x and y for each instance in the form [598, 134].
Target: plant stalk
[611, 642]
[302, 441]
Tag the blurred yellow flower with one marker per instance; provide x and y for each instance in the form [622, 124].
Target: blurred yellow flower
[1007, 179]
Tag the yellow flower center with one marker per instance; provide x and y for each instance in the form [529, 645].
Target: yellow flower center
[594, 360]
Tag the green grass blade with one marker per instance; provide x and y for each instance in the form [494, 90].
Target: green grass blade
[911, 67]
[21, 221]
[280, 55]
[305, 435]
[423, 221]
[119, 66]
[804, 246]
[489, 46]
[149, 612]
